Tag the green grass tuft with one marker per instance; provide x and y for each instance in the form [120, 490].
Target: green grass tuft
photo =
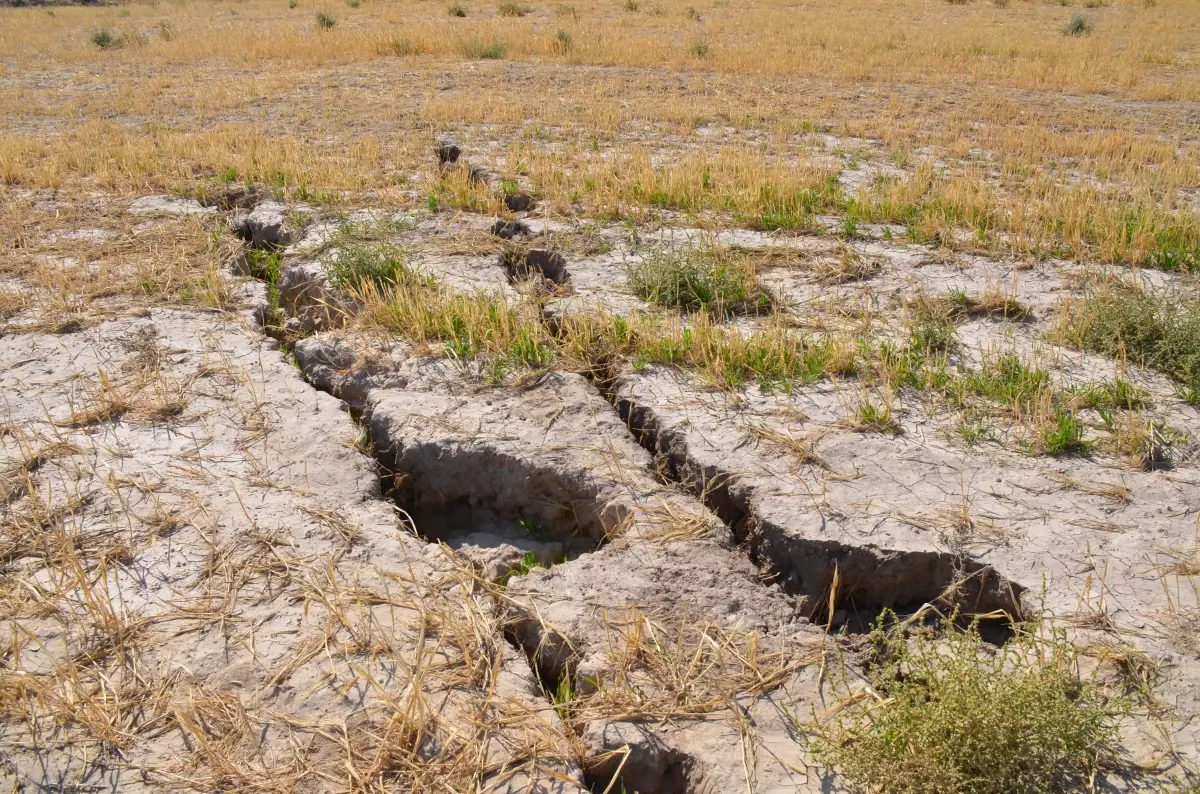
[1064, 435]
[105, 40]
[352, 263]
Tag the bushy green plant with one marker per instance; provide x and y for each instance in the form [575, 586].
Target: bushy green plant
[325, 21]
[695, 279]
[104, 39]
[493, 51]
[956, 716]
[1157, 330]
[352, 263]
[1078, 26]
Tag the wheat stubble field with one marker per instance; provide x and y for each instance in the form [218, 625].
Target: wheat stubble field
[620, 396]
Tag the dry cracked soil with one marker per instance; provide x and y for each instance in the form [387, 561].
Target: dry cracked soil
[272, 547]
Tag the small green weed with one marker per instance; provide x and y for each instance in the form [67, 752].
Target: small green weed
[1008, 380]
[533, 529]
[876, 417]
[1117, 393]
[1175, 251]
[973, 431]
[325, 21]
[264, 264]
[1064, 435]
[528, 563]
[777, 221]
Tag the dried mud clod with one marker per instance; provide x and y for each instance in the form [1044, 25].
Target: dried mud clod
[510, 230]
[266, 226]
[447, 153]
[520, 202]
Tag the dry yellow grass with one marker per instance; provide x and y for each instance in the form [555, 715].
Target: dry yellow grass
[1139, 49]
[1044, 146]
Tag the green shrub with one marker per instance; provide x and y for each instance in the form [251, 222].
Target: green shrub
[325, 21]
[514, 10]
[105, 40]
[1156, 330]
[954, 716]
[695, 279]
[477, 50]
[402, 47]
[1078, 26]
[563, 40]
[353, 263]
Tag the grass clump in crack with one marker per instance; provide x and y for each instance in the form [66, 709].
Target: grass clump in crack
[699, 279]
[468, 325]
[952, 715]
[353, 263]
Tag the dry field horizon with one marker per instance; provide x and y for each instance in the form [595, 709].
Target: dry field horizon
[985, 118]
[659, 396]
